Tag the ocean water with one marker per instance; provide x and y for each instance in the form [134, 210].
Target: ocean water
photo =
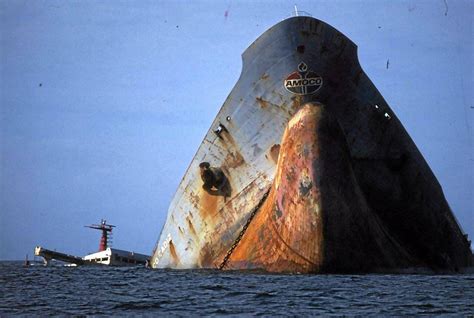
[59, 290]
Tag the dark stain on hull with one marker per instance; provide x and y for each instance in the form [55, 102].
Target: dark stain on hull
[275, 152]
[174, 255]
[263, 103]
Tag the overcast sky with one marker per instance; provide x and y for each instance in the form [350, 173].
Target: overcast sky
[104, 103]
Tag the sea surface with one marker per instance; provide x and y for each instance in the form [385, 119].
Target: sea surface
[59, 290]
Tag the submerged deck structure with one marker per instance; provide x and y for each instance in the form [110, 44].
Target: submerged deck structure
[307, 169]
[106, 255]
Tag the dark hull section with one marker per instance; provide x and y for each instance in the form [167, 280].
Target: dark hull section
[348, 191]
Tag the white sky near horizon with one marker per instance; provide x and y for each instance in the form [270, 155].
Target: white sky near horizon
[104, 103]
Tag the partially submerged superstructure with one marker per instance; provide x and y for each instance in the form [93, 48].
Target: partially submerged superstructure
[307, 169]
[106, 255]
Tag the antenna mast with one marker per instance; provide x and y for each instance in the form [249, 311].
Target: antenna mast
[106, 231]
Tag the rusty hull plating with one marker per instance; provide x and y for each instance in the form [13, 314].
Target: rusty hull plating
[286, 234]
[315, 218]
[306, 169]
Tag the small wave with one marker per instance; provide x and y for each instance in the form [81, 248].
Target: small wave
[264, 295]
[215, 287]
[137, 305]
[221, 311]
[238, 293]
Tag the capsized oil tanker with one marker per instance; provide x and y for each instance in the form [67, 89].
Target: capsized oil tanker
[307, 169]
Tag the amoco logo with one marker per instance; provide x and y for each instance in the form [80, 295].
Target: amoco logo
[303, 82]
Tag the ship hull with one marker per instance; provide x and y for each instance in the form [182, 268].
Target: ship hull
[379, 205]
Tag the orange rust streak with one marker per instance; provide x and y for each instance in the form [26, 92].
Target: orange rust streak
[173, 253]
[208, 204]
[191, 227]
[214, 246]
[274, 152]
[228, 138]
[286, 234]
[234, 160]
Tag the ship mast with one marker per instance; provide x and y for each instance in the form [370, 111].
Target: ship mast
[106, 229]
